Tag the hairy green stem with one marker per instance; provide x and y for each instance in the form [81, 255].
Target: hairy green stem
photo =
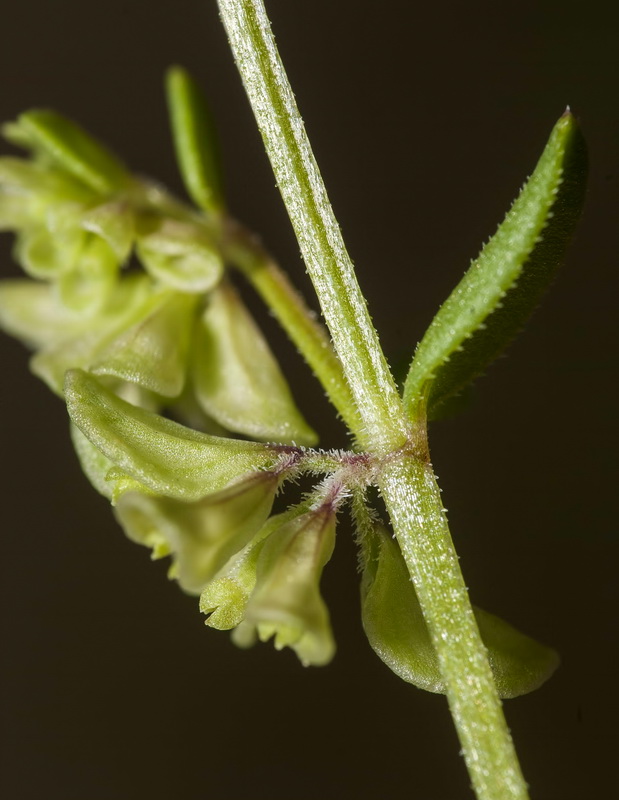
[328, 263]
[291, 311]
[413, 499]
[406, 478]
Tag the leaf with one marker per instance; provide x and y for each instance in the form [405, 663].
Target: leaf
[505, 283]
[236, 377]
[195, 140]
[66, 146]
[395, 627]
[166, 457]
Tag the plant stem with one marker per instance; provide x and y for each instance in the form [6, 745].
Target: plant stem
[413, 499]
[291, 311]
[406, 478]
[329, 265]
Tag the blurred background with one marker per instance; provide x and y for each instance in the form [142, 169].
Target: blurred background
[425, 120]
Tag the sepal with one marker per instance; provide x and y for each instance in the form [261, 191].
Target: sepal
[153, 351]
[64, 145]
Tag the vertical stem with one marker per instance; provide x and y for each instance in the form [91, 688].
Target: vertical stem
[328, 263]
[413, 499]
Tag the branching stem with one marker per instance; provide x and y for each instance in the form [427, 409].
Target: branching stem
[406, 478]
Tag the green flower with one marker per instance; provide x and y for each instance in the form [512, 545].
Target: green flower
[201, 536]
[175, 331]
[286, 603]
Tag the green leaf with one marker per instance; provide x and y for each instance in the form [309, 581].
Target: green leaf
[237, 379]
[153, 351]
[181, 257]
[166, 457]
[204, 534]
[63, 144]
[195, 140]
[505, 283]
[395, 627]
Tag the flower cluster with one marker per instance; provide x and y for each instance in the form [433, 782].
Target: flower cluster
[172, 334]
[131, 313]
[206, 501]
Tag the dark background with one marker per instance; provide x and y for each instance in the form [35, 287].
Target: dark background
[425, 124]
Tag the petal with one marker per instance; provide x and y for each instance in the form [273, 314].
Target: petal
[225, 597]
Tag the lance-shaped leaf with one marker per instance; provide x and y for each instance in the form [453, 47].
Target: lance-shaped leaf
[504, 284]
[166, 457]
[61, 143]
[225, 597]
[195, 140]
[153, 351]
[204, 534]
[286, 603]
[395, 627]
[180, 255]
[237, 379]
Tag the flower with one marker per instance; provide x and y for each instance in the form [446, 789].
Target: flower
[177, 329]
[286, 603]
